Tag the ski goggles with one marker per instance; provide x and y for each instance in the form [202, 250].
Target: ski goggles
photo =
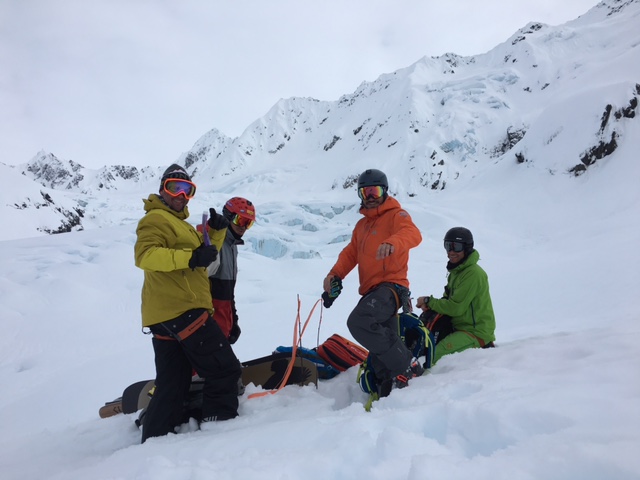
[177, 186]
[243, 222]
[455, 246]
[374, 192]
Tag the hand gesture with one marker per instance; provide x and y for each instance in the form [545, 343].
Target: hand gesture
[384, 250]
[217, 221]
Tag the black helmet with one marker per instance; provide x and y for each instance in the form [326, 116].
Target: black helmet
[373, 178]
[462, 235]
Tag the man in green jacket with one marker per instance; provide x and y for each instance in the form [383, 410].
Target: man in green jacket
[177, 308]
[466, 318]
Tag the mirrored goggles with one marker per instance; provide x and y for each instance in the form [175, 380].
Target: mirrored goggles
[242, 221]
[177, 186]
[455, 246]
[374, 192]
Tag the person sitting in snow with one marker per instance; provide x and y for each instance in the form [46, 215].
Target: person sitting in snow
[379, 246]
[463, 318]
[177, 308]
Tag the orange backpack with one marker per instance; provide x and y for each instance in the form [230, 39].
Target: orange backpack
[341, 353]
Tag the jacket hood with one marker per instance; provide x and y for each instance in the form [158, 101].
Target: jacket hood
[471, 259]
[389, 204]
[234, 238]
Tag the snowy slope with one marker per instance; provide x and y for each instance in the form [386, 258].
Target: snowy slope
[558, 399]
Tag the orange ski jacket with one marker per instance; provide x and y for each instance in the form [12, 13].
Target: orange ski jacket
[388, 223]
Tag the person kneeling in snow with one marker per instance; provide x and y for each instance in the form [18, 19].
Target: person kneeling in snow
[463, 318]
[379, 247]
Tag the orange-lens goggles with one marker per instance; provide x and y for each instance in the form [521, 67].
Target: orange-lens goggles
[371, 192]
[242, 221]
[177, 186]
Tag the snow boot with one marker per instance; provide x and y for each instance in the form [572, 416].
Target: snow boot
[402, 380]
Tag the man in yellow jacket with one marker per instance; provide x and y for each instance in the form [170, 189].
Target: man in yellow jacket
[379, 247]
[176, 308]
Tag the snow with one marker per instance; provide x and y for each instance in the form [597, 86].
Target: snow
[557, 399]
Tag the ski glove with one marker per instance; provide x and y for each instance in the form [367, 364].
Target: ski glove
[217, 221]
[203, 256]
[329, 297]
[234, 334]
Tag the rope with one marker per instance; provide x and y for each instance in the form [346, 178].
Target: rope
[319, 324]
[297, 337]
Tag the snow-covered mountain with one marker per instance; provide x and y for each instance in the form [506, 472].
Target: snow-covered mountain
[440, 116]
[558, 399]
[58, 174]
[554, 98]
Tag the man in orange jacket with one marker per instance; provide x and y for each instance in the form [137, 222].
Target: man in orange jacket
[379, 246]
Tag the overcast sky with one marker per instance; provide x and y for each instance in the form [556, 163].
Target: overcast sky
[137, 82]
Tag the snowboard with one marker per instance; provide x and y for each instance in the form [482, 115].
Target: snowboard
[136, 394]
[266, 372]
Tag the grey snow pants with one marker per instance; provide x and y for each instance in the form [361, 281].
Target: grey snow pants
[374, 325]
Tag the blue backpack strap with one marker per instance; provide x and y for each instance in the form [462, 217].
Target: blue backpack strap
[429, 352]
[367, 377]
[417, 337]
[413, 333]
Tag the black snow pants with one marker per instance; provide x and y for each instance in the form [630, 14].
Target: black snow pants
[205, 350]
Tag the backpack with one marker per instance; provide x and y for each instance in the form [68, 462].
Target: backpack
[417, 339]
[325, 371]
[341, 353]
[336, 354]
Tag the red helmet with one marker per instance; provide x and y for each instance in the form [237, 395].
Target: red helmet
[241, 207]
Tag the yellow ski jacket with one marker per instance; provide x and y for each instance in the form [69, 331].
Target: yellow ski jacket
[165, 242]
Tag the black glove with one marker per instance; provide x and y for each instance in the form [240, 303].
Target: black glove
[203, 256]
[234, 334]
[329, 297]
[217, 221]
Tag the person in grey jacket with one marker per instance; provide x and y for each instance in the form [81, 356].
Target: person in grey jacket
[241, 214]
